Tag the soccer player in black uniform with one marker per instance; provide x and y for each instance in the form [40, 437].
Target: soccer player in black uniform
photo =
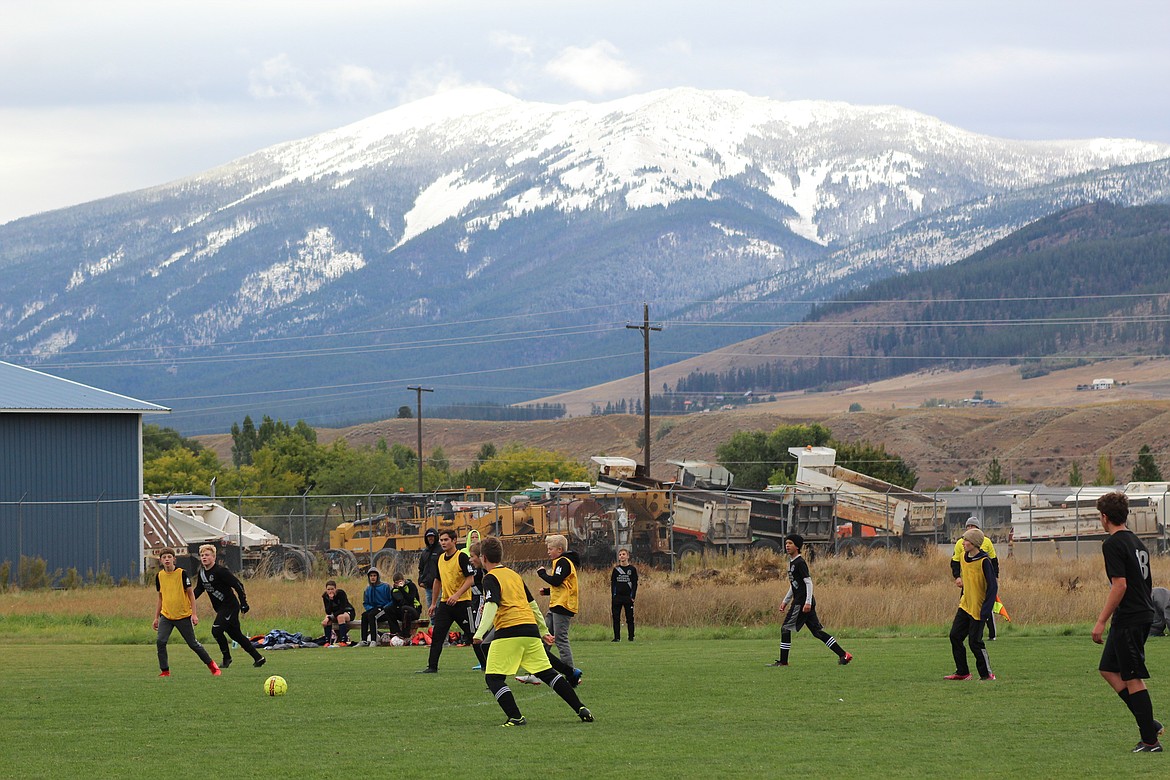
[452, 602]
[1123, 660]
[623, 587]
[510, 610]
[222, 587]
[803, 609]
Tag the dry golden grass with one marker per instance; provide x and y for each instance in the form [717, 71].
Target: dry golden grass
[881, 589]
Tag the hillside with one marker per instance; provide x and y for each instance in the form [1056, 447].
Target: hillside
[1069, 288]
[1043, 427]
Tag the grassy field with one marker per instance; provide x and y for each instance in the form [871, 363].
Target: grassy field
[677, 707]
[690, 698]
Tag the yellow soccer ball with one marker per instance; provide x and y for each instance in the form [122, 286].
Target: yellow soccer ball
[275, 686]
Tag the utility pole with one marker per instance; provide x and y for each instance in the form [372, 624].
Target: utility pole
[645, 327]
[419, 391]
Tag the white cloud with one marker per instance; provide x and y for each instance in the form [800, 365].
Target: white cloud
[354, 83]
[516, 44]
[597, 69]
[278, 77]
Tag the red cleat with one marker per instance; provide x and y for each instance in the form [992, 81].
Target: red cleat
[957, 677]
[215, 672]
[165, 673]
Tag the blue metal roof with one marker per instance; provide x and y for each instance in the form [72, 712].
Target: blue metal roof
[25, 390]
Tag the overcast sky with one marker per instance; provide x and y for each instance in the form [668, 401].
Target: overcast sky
[99, 97]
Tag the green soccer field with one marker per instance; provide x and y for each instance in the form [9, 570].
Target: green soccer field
[664, 707]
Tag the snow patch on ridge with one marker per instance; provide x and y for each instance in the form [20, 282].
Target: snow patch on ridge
[444, 199]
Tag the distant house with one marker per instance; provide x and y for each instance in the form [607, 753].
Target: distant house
[1103, 384]
[70, 475]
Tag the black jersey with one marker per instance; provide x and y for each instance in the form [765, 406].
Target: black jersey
[1126, 556]
[623, 583]
[338, 604]
[797, 574]
[222, 586]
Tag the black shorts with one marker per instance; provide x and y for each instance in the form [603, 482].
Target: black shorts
[1125, 652]
[797, 619]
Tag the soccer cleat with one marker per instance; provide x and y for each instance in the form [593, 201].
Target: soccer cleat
[587, 717]
[1159, 727]
[477, 668]
[777, 663]
[514, 722]
[843, 660]
[957, 676]
[260, 662]
[576, 678]
[226, 662]
[988, 678]
[165, 673]
[631, 639]
[531, 679]
[215, 672]
[1142, 747]
[615, 639]
[428, 670]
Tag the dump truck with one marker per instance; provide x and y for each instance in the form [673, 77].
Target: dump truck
[667, 519]
[184, 522]
[847, 510]
[1065, 517]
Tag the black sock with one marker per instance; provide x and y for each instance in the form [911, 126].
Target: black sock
[499, 688]
[1143, 713]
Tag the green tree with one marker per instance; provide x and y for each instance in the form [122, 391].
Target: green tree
[156, 440]
[1074, 475]
[994, 474]
[244, 442]
[180, 471]
[404, 413]
[1104, 471]
[757, 459]
[865, 458]
[1146, 470]
[516, 467]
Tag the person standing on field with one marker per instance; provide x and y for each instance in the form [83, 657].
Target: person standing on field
[623, 587]
[176, 610]
[510, 611]
[452, 597]
[975, 605]
[1129, 605]
[428, 565]
[228, 598]
[563, 602]
[987, 547]
[800, 608]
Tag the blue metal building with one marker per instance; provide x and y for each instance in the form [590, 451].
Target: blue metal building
[70, 475]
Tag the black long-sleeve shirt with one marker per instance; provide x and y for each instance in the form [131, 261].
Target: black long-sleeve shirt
[223, 588]
[623, 583]
[338, 604]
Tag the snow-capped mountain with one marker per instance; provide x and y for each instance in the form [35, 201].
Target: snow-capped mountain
[459, 234]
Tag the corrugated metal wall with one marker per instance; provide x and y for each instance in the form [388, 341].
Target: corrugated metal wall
[69, 492]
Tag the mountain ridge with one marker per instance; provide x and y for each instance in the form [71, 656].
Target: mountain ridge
[489, 217]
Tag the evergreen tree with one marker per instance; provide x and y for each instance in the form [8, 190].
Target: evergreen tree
[1146, 470]
[1074, 475]
[994, 475]
[404, 413]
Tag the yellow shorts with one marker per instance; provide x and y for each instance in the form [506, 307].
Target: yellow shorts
[506, 656]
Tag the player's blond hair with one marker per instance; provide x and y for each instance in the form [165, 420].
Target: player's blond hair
[205, 547]
[556, 541]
